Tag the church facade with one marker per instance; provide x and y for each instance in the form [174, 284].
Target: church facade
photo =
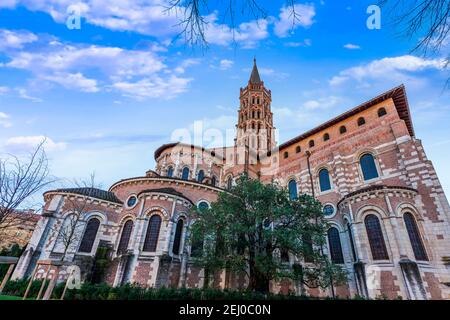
[389, 217]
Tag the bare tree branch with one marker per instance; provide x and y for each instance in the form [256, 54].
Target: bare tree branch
[21, 178]
[76, 205]
[427, 19]
[194, 24]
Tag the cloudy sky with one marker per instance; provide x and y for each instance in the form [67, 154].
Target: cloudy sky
[105, 96]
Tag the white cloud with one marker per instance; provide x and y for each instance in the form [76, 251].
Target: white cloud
[396, 68]
[15, 39]
[149, 17]
[24, 95]
[126, 71]
[287, 22]
[225, 64]
[153, 88]
[8, 4]
[247, 34]
[322, 103]
[73, 81]
[4, 90]
[4, 120]
[27, 143]
[351, 46]
[186, 64]
[304, 43]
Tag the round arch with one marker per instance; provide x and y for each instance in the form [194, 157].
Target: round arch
[95, 214]
[369, 209]
[404, 207]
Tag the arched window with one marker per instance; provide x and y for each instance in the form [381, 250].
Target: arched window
[368, 167]
[326, 137]
[324, 180]
[361, 121]
[352, 244]
[185, 173]
[170, 172]
[89, 235]
[334, 242]
[286, 154]
[177, 238]
[229, 182]
[292, 189]
[414, 237]
[298, 149]
[382, 112]
[342, 130]
[125, 237]
[376, 239]
[213, 180]
[284, 255]
[152, 235]
[201, 176]
[311, 143]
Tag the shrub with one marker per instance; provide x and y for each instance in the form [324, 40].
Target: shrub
[103, 291]
[18, 288]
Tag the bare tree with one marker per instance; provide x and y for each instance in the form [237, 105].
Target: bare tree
[193, 21]
[77, 203]
[21, 178]
[427, 19]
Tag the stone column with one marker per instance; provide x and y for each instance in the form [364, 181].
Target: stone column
[395, 229]
[177, 164]
[169, 228]
[168, 236]
[194, 171]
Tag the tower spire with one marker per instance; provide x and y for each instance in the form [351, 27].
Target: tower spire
[255, 122]
[254, 77]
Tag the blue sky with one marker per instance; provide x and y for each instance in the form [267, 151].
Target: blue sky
[107, 95]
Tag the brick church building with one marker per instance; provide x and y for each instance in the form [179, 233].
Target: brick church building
[389, 217]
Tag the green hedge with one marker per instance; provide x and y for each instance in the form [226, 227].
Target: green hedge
[133, 292]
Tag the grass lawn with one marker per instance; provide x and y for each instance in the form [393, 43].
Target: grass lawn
[10, 298]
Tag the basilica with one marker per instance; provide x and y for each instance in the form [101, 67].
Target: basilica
[388, 215]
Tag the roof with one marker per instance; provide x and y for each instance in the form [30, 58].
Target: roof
[171, 191]
[164, 147]
[93, 193]
[373, 188]
[398, 95]
[192, 146]
[254, 77]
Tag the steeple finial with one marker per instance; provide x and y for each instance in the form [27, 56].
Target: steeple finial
[254, 77]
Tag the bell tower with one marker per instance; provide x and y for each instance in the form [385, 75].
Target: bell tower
[255, 119]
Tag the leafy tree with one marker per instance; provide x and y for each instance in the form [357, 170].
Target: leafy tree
[251, 228]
